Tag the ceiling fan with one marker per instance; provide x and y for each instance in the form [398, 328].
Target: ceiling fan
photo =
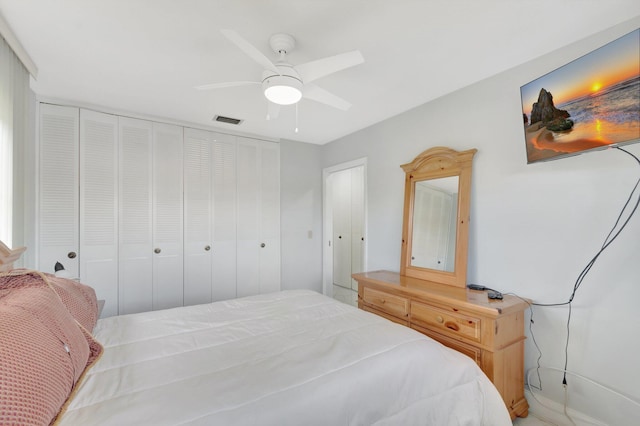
[285, 84]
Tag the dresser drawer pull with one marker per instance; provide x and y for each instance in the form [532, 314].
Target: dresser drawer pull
[439, 319]
[382, 301]
[452, 326]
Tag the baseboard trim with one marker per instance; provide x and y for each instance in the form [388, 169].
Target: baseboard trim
[553, 412]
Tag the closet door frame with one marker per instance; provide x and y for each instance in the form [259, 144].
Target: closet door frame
[327, 214]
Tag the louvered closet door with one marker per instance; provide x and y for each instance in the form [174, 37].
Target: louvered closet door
[198, 151]
[168, 287]
[135, 238]
[224, 217]
[258, 236]
[58, 205]
[210, 216]
[270, 217]
[99, 207]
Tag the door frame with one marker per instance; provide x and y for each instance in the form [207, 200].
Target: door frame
[327, 222]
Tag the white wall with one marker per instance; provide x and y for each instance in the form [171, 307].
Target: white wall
[300, 216]
[533, 228]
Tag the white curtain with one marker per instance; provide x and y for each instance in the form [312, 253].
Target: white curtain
[14, 121]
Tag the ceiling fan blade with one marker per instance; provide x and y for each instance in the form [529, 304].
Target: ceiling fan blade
[273, 110]
[319, 68]
[227, 84]
[315, 93]
[250, 50]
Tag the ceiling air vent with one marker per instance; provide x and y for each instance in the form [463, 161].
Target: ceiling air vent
[227, 120]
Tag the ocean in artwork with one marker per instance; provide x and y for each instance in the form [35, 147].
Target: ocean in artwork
[610, 115]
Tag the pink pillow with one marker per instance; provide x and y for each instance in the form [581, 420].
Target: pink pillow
[79, 299]
[43, 351]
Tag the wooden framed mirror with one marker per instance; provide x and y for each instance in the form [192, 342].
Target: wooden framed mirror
[435, 229]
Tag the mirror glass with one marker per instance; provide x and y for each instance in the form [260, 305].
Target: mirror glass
[435, 227]
[435, 208]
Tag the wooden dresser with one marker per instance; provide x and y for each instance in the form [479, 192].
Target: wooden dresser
[491, 332]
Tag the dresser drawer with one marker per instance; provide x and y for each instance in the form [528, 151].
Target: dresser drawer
[393, 318]
[471, 351]
[386, 302]
[446, 321]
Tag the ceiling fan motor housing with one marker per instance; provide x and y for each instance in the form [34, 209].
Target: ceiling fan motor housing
[282, 43]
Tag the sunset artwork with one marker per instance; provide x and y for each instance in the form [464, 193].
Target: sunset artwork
[591, 103]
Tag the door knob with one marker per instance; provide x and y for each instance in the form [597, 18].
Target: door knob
[72, 255]
[263, 245]
[207, 248]
[156, 251]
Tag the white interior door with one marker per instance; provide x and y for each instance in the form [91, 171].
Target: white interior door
[135, 230]
[58, 202]
[168, 291]
[341, 203]
[99, 206]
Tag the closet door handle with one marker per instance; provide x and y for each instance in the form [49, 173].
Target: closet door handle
[72, 255]
[157, 251]
[263, 245]
[340, 236]
[207, 248]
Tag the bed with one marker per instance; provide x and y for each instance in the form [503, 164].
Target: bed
[287, 358]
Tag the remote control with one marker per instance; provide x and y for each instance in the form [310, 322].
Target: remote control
[494, 295]
[476, 287]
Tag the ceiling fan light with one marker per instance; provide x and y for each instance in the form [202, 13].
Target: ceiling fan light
[282, 89]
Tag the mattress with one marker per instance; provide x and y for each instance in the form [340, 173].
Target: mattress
[286, 358]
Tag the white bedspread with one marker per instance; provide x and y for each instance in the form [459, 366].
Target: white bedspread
[288, 358]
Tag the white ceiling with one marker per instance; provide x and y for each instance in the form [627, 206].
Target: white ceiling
[145, 56]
